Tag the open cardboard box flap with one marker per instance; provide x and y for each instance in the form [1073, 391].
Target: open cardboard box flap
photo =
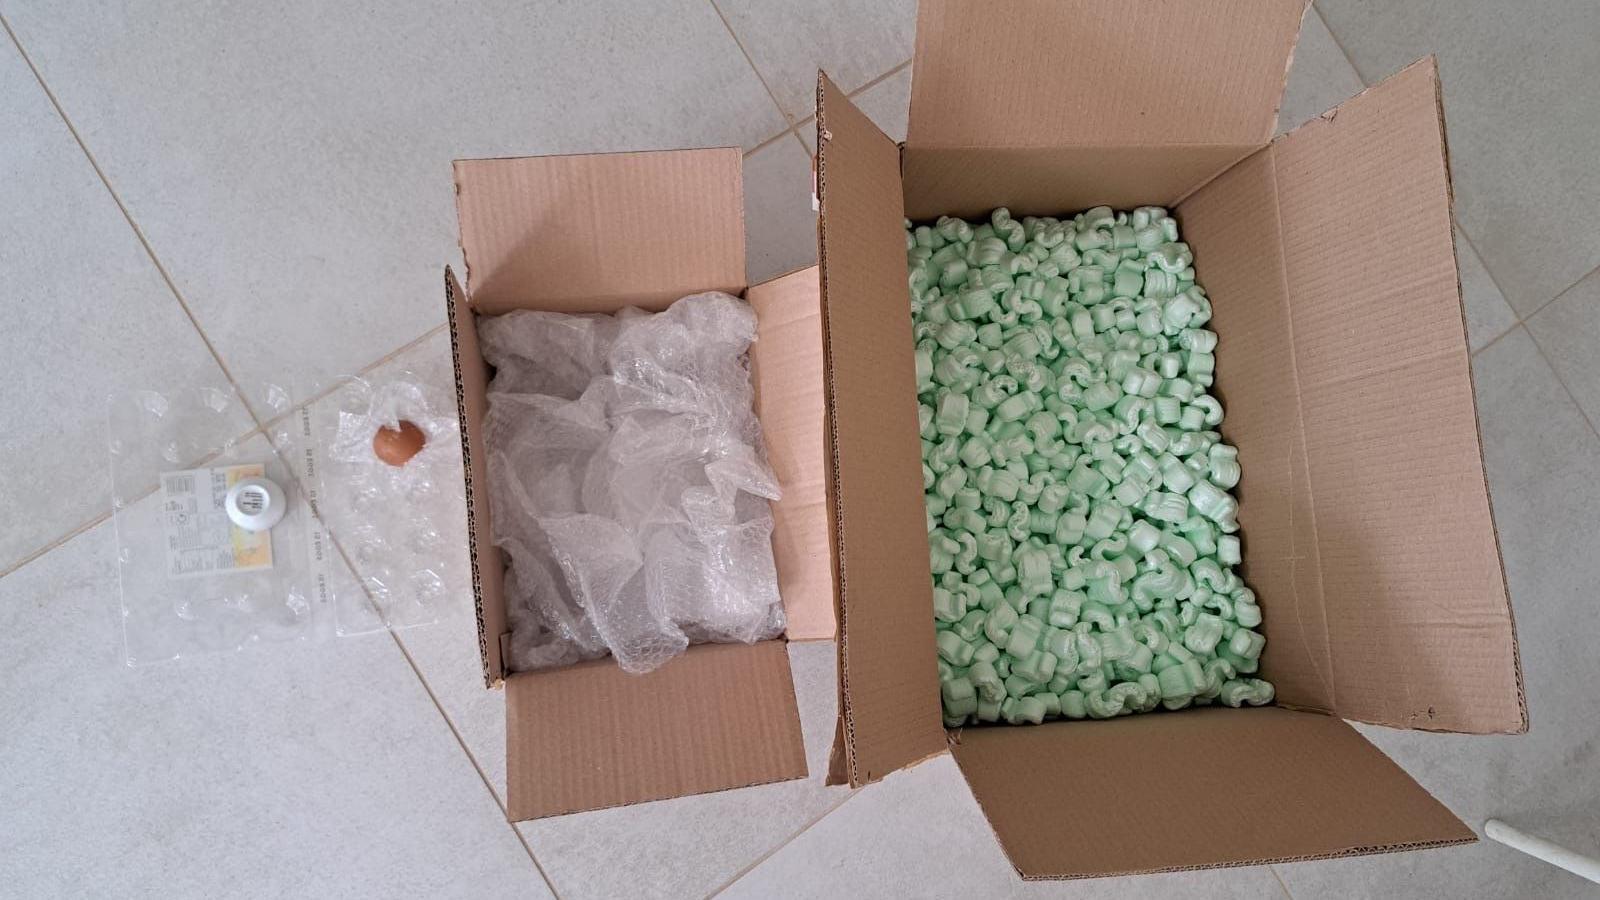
[1269, 785]
[1130, 103]
[1135, 73]
[888, 681]
[546, 233]
[1329, 258]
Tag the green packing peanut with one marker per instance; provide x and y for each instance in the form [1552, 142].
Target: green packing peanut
[1081, 532]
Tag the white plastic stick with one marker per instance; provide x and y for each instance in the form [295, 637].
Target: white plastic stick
[1539, 848]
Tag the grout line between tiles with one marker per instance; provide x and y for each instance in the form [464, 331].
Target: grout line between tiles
[756, 863]
[1558, 295]
[1519, 318]
[751, 62]
[1473, 246]
[890, 73]
[855, 93]
[1340, 44]
[1472, 354]
[1562, 381]
[128, 217]
[769, 142]
[1524, 320]
[77, 530]
[1282, 886]
[101, 517]
[462, 742]
[795, 128]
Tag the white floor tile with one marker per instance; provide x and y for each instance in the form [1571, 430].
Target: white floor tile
[293, 770]
[1320, 76]
[87, 314]
[1488, 314]
[290, 163]
[919, 833]
[1521, 122]
[1544, 476]
[1568, 330]
[854, 41]
[780, 226]
[888, 104]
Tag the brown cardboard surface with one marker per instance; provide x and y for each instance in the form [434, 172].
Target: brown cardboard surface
[591, 736]
[544, 232]
[1194, 789]
[1047, 73]
[889, 687]
[1418, 620]
[1232, 226]
[488, 570]
[786, 366]
[970, 181]
[541, 233]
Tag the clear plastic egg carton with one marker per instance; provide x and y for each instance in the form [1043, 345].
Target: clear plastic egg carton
[402, 528]
[237, 529]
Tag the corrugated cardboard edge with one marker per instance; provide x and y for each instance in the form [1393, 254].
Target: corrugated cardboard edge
[1431, 62]
[1477, 416]
[1353, 851]
[844, 757]
[841, 762]
[452, 295]
[1444, 828]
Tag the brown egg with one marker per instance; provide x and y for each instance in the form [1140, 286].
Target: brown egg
[396, 446]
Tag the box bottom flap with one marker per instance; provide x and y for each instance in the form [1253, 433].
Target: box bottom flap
[591, 736]
[1194, 789]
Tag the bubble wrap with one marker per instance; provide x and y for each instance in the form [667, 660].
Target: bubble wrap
[628, 485]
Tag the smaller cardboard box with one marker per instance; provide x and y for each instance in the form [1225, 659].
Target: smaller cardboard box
[593, 234]
[1343, 366]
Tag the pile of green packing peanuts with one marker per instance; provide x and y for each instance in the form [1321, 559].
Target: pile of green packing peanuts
[1080, 527]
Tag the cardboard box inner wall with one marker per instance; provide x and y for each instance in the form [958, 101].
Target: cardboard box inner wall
[585, 234]
[1343, 368]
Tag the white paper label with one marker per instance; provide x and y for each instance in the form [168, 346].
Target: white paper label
[201, 539]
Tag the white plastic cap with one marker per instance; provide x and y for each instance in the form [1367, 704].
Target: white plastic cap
[255, 504]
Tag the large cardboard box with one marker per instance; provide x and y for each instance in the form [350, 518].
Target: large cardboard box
[596, 233]
[1343, 367]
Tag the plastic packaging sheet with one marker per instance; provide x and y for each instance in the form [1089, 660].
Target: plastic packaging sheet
[399, 525]
[628, 482]
[193, 580]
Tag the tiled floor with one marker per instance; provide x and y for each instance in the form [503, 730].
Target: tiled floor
[197, 196]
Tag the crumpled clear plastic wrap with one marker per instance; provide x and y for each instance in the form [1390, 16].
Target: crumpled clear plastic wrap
[628, 483]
